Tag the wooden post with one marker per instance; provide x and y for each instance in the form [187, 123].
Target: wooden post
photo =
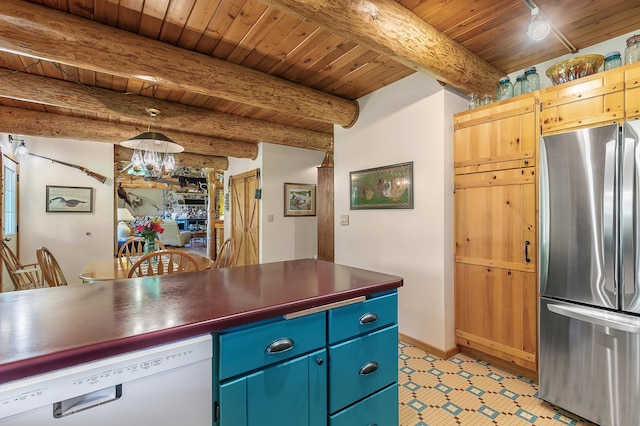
[324, 208]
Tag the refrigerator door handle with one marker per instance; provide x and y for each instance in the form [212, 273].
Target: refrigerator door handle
[603, 318]
[627, 215]
[609, 213]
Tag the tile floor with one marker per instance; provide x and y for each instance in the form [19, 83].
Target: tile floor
[466, 391]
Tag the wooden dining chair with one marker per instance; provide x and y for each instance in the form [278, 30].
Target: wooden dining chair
[163, 262]
[23, 276]
[51, 271]
[227, 254]
[134, 246]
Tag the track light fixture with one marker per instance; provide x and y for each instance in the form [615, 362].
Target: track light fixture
[539, 28]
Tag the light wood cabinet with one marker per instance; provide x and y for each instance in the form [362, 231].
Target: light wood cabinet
[587, 102]
[495, 230]
[632, 91]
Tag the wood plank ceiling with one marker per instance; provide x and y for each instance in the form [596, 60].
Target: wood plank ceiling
[228, 74]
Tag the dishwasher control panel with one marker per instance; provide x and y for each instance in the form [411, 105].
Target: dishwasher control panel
[25, 394]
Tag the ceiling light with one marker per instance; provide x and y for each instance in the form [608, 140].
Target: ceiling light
[152, 151]
[538, 27]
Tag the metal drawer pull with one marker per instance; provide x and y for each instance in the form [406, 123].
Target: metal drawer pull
[279, 346]
[368, 318]
[368, 368]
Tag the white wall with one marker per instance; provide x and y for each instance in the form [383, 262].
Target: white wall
[410, 120]
[287, 238]
[284, 238]
[75, 239]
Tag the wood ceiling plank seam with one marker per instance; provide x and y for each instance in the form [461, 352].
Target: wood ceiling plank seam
[106, 12]
[130, 14]
[175, 95]
[462, 10]
[62, 5]
[261, 29]
[220, 22]
[459, 29]
[279, 35]
[237, 31]
[119, 84]
[82, 8]
[330, 63]
[302, 51]
[514, 25]
[175, 20]
[328, 81]
[199, 20]
[285, 50]
[51, 70]
[339, 66]
[153, 15]
[322, 55]
[353, 80]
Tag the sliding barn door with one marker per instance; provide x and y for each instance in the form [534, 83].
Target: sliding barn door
[245, 217]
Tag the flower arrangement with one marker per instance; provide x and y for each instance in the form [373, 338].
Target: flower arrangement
[150, 227]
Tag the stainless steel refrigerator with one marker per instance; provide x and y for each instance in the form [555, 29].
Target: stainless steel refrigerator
[589, 313]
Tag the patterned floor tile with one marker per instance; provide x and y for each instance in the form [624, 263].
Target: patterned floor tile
[466, 391]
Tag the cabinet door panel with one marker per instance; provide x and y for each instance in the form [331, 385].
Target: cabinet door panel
[495, 219]
[496, 312]
[233, 403]
[288, 394]
[499, 135]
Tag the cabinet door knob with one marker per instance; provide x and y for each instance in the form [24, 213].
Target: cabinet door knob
[279, 346]
[368, 318]
[319, 361]
[368, 368]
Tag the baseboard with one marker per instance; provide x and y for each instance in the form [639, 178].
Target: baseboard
[500, 363]
[428, 348]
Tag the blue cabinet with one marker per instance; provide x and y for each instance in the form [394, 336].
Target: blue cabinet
[335, 367]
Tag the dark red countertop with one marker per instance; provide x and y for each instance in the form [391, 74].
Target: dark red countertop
[46, 329]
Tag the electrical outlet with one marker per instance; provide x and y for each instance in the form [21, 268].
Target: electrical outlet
[270, 218]
[344, 220]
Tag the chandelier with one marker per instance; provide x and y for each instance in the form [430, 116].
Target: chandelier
[152, 151]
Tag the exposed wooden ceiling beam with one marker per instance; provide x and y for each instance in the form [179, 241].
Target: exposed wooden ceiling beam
[187, 159]
[174, 116]
[39, 32]
[27, 122]
[388, 28]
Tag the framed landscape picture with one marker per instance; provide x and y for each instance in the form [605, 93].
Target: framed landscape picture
[299, 199]
[69, 199]
[388, 187]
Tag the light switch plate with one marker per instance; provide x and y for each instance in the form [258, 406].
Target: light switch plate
[270, 218]
[344, 220]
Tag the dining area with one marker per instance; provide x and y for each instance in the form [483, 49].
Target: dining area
[136, 258]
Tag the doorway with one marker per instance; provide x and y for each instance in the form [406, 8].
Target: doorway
[9, 212]
[245, 216]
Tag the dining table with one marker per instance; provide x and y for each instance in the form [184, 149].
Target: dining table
[118, 268]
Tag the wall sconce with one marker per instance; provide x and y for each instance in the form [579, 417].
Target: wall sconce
[21, 151]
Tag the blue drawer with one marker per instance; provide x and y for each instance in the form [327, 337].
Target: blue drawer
[246, 349]
[362, 366]
[380, 409]
[372, 314]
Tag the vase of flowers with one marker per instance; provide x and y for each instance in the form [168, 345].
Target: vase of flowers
[149, 228]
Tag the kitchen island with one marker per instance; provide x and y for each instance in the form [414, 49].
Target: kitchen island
[49, 329]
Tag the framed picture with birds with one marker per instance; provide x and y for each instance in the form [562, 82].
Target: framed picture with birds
[69, 199]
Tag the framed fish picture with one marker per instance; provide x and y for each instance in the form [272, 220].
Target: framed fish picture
[69, 199]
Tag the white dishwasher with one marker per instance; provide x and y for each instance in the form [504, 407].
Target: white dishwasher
[164, 385]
